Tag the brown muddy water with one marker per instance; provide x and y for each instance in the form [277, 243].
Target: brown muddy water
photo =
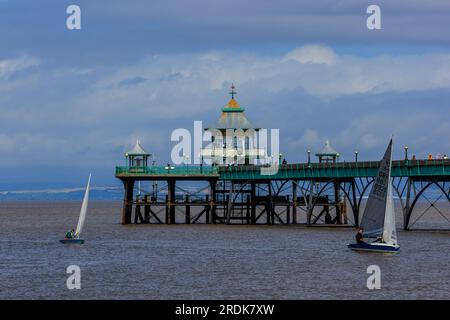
[205, 261]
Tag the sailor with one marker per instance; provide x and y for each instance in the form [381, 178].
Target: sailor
[359, 236]
[70, 234]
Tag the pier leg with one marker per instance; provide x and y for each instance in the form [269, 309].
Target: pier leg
[167, 211]
[407, 205]
[171, 200]
[188, 210]
[288, 211]
[253, 204]
[337, 201]
[146, 209]
[136, 208]
[247, 209]
[269, 216]
[355, 207]
[328, 219]
[230, 207]
[227, 209]
[207, 210]
[137, 212]
[294, 202]
[213, 200]
[127, 201]
[309, 205]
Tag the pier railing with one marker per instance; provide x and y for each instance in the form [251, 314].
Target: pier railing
[404, 168]
[167, 170]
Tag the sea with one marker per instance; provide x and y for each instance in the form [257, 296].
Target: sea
[208, 261]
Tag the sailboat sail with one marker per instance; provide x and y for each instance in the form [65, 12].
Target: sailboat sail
[380, 199]
[83, 210]
[390, 232]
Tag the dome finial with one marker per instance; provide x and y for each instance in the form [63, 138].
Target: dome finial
[232, 91]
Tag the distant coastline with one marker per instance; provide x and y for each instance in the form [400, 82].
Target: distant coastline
[113, 193]
[97, 193]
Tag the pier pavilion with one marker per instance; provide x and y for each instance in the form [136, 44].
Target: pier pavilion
[233, 141]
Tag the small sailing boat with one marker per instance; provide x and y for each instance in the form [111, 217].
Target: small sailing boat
[378, 221]
[76, 237]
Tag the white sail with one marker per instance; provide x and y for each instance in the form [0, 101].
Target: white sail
[83, 210]
[373, 220]
[389, 231]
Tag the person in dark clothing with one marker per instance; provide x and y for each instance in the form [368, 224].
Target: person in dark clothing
[70, 234]
[359, 236]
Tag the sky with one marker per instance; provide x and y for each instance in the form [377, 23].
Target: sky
[73, 101]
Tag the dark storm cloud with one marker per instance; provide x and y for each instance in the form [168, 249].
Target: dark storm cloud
[117, 31]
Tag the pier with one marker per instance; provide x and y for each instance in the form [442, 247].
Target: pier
[321, 193]
[328, 192]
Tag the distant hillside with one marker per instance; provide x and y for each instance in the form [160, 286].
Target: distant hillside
[96, 193]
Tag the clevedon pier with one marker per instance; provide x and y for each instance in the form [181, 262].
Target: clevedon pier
[323, 192]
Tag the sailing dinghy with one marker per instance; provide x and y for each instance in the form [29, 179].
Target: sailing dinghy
[76, 237]
[378, 221]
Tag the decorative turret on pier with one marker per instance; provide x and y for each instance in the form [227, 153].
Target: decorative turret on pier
[328, 153]
[235, 144]
[137, 157]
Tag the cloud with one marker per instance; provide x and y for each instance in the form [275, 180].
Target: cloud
[293, 21]
[18, 144]
[16, 73]
[309, 138]
[9, 67]
[369, 140]
[131, 81]
[316, 69]
[116, 32]
[310, 93]
[312, 54]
